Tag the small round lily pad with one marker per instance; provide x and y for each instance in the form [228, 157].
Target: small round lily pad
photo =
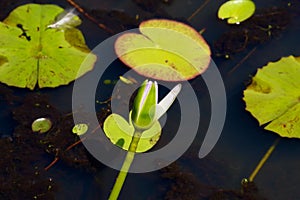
[41, 125]
[80, 129]
[236, 11]
[165, 50]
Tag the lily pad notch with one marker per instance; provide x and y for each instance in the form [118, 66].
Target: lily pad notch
[164, 50]
[32, 54]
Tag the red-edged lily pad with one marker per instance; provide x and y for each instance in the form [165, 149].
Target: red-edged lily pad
[165, 50]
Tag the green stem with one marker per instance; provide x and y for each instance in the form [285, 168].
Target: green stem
[263, 160]
[126, 165]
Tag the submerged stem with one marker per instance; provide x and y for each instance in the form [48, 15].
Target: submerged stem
[263, 160]
[198, 10]
[126, 165]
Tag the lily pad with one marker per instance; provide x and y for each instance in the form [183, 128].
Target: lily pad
[236, 11]
[32, 54]
[273, 97]
[165, 50]
[80, 129]
[41, 125]
[120, 133]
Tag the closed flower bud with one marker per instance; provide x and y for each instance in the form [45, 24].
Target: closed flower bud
[144, 106]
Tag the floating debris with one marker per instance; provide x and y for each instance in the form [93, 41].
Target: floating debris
[67, 19]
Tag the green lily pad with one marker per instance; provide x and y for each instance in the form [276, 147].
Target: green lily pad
[41, 125]
[32, 54]
[80, 129]
[165, 50]
[273, 97]
[236, 11]
[120, 133]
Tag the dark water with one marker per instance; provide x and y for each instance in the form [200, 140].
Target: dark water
[242, 142]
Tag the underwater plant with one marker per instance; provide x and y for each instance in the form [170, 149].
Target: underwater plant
[143, 131]
[275, 88]
[41, 50]
[236, 11]
[155, 54]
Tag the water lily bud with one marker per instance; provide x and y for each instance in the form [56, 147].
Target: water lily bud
[144, 106]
